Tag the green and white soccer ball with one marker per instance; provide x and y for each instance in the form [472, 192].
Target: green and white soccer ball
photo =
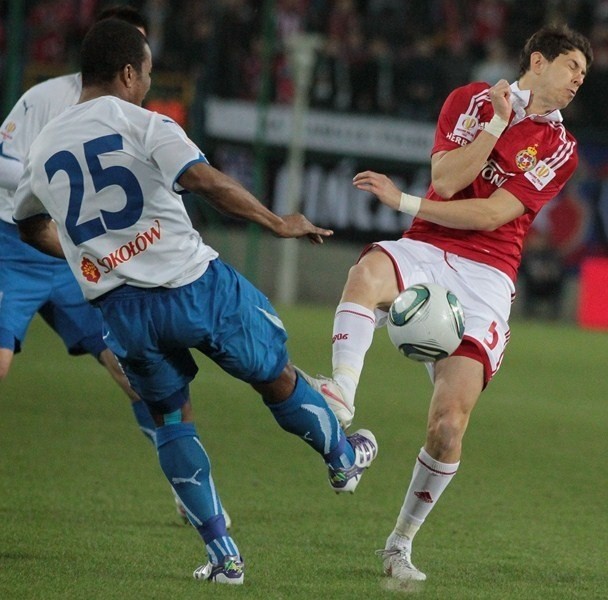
[426, 322]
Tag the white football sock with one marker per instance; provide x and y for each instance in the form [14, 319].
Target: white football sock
[429, 479]
[396, 540]
[352, 337]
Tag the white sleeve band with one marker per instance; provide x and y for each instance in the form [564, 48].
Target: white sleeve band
[496, 126]
[409, 205]
[10, 173]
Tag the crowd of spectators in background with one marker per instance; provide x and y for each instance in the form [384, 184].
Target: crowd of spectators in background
[391, 57]
[397, 58]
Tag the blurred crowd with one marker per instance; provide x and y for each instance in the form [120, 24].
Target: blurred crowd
[397, 58]
[393, 57]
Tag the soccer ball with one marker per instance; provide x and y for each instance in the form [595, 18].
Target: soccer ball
[426, 322]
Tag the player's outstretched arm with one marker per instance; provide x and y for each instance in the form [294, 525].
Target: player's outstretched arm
[231, 198]
[482, 214]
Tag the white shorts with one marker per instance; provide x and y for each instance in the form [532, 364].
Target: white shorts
[485, 293]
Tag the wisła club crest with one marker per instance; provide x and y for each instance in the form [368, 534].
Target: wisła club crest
[526, 159]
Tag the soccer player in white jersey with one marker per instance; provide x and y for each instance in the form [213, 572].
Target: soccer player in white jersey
[31, 281]
[501, 152]
[101, 188]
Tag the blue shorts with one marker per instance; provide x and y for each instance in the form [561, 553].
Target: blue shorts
[221, 314]
[32, 282]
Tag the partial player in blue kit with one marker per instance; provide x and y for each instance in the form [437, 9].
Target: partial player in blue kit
[102, 188]
[32, 282]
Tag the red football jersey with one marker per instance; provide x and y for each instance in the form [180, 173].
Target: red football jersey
[533, 159]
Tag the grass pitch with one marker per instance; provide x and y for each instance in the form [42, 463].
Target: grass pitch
[85, 511]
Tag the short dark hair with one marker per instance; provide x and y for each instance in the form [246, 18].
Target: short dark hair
[124, 13]
[551, 41]
[107, 48]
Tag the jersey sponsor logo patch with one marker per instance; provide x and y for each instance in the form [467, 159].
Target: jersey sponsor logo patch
[131, 249]
[89, 271]
[540, 175]
[466, 127]
[526, 159]
[8, 130]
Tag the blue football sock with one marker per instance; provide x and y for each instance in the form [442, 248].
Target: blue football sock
[186, 465]
[218, 543]
[306, 414]
[144, 420]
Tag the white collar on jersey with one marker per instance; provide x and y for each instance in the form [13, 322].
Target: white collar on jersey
[521, 98]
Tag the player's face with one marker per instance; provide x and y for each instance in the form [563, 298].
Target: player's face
[562, 78]
[143, 80]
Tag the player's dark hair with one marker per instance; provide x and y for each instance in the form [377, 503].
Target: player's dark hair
[551, 41]
[124, 13]
[107, 48]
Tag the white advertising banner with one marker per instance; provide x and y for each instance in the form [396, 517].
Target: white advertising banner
[347, 135]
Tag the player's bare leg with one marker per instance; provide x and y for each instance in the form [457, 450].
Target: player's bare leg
[457, 387]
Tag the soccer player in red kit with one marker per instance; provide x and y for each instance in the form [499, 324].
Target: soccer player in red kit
[501, 153]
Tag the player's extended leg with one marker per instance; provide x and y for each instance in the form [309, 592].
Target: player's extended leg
[300, 410]
[458, 384]
[248, 340]
[371, 284]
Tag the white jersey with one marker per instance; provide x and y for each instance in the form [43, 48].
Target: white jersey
[33, 111]
[105, 171]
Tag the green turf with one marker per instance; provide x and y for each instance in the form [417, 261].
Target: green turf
[85, 512]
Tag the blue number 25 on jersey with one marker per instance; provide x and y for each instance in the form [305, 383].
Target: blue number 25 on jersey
[102, 178]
